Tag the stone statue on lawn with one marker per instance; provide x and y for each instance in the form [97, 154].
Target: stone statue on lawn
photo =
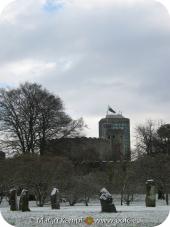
[106, 201]
[150, 199]
[55, 199]
[24, 201]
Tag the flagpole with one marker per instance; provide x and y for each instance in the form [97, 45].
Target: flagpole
[107, 114]
[107, 110]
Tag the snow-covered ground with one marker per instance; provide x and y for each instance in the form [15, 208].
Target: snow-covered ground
[135, 215]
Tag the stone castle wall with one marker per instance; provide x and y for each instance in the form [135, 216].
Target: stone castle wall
[96, 147]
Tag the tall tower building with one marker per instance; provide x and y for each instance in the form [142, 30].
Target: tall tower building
[116, 128]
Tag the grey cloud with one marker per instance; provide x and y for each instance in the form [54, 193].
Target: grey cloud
[118, 55]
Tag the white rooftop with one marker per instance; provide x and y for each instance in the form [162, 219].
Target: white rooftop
[114, 116]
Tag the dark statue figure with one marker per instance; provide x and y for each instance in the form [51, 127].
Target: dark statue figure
[55, 199]
[24, 201]
[150, 199]
[106, 201]
[13, 199]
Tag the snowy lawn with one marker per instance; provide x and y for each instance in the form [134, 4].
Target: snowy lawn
[135, 215]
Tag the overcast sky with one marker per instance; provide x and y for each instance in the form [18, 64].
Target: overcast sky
[91, 53]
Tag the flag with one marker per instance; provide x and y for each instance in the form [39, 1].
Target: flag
[111, 110]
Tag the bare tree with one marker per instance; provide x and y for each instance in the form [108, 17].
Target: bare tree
[145, 136]
[153, 138]
[30, 116]
[163, 142]
[38, 174]
[81, 188]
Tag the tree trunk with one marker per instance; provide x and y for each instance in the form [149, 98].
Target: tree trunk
[128, 199]
[167, 199]
[86, 199]
[1, 197]
[39, 199]
[121, 199]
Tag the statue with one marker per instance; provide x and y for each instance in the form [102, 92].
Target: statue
[150, 199]
[55, 199]
[106, 201]
[24, 201]
[13, 199]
